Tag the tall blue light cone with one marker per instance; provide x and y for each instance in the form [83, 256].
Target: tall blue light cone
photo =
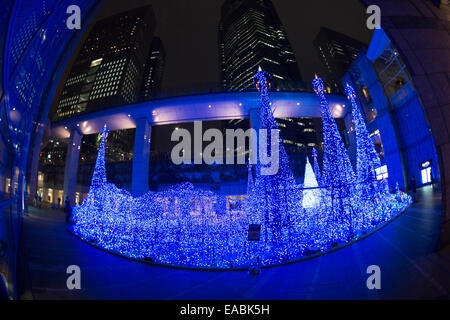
[337, 174]
[277, 194]
[99, 176]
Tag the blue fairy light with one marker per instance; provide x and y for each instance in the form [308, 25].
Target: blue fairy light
[187, 226]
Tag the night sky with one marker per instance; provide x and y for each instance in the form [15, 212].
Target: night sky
[188, 29]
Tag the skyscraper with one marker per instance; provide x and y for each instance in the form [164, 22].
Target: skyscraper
[109, 67]
[336, 52]
[251, 34]
[154, 69]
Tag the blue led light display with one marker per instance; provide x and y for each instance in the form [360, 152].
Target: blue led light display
[187, 226]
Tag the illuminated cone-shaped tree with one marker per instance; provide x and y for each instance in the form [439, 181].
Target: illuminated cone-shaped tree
[311, 193]
[367, 159]
[253, 217]
[99, 175]
[92, 213]
[251, 200]
[370, 191]
[277, 193]
[337, 175]
[318, 216]
[98, 191]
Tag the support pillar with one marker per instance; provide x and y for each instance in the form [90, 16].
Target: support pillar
[141, 157]
[71, 168]
[22, 197]
[55, 196]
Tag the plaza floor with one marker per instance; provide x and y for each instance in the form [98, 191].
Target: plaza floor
[406, 250]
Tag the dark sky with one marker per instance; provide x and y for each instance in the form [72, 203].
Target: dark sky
[188, 29]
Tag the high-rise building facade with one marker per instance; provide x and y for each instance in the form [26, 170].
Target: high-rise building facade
[109, 68]
[154, 69]
[336, 52]
[250, 35]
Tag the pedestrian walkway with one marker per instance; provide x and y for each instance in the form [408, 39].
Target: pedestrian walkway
[405, 250]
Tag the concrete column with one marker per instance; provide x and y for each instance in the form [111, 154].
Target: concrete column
[55, 196]
[71, 168]
[141, 157]
[22, 204]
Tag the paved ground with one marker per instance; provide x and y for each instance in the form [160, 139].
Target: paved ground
[405, 250]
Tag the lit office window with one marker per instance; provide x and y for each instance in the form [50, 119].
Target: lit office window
[381, 172]
[97, 62]
[376, 138]
[426, 175]
[425, 172]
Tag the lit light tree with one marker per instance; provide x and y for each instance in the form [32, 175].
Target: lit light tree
[337, 174]
[99, 179]
[99, 175]
[367, 159]
[278, 197]
[318, 216]
[311, 192]
[251, 200]
[186, 226]
[92, 217]
[253, 217]
[371, 192]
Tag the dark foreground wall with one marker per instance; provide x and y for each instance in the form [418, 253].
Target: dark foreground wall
[420, 31]
[35, 46]
[7, 238]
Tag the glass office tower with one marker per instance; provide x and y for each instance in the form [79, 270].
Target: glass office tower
[109, 68]
[336, 52]
[250, 35]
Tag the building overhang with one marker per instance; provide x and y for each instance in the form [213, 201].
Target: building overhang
[214, 106]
